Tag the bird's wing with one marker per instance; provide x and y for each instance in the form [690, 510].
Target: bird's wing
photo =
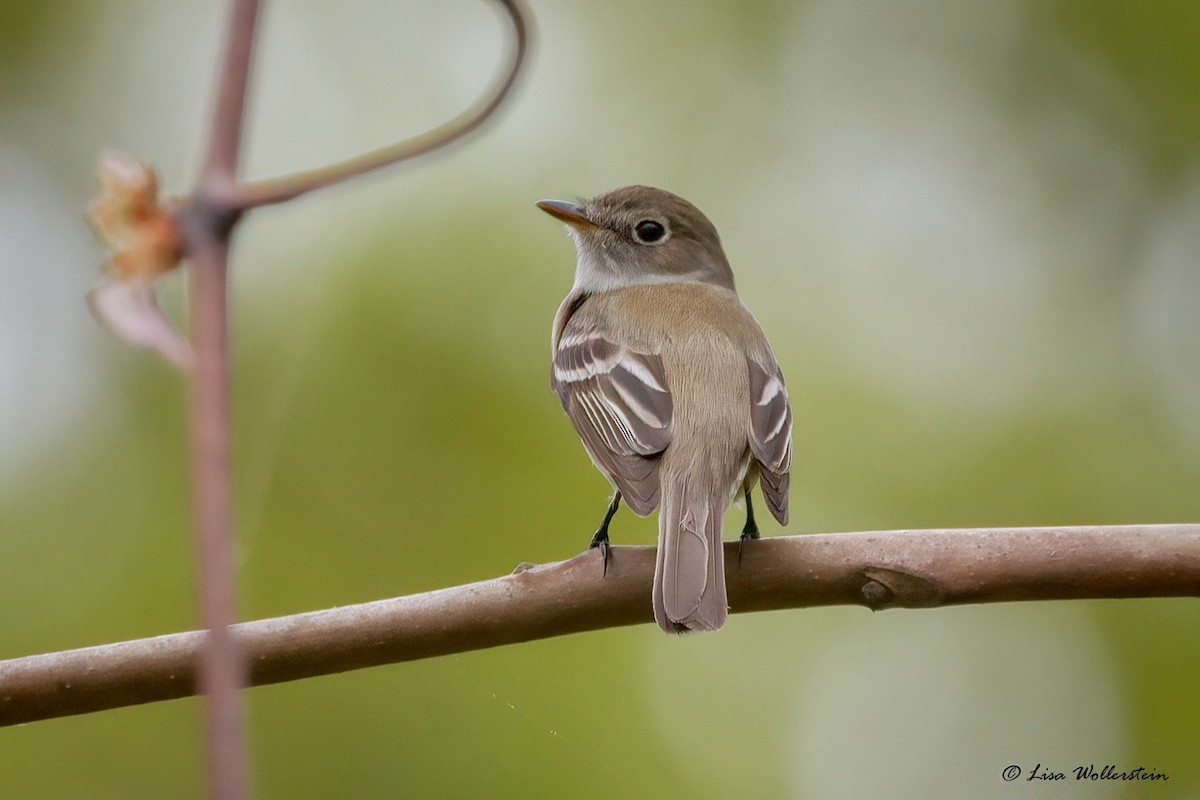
[771, 434]
[618, 400]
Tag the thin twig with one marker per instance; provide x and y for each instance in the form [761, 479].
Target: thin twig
[207, 227]
[910, 569]
[199, 229]
[205, 222]
[279, 190]
[225, 133]
[222, 673]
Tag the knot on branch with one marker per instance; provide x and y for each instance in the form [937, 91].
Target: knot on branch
[211, 213]
[891, 588]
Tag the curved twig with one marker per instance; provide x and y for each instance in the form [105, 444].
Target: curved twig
[910, 569]
[205, 223]
[278, 190]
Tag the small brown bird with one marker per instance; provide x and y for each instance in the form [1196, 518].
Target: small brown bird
[671, 385]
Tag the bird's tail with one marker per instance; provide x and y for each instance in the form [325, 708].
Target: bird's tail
[689, 577]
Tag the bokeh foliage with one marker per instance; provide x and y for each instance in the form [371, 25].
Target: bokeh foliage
[395, 431]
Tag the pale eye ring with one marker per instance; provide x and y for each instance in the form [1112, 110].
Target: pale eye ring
[650, 231]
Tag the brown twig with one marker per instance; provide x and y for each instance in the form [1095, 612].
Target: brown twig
[889, 569]
[281, 189]
[205, 223]
[207, 226]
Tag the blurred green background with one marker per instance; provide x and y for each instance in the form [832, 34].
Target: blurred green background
[972, 231]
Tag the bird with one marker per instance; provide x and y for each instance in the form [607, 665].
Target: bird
[672, 387]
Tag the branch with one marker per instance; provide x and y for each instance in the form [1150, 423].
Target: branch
[879, 570]
[225, 133]
[207, 226]
[149, 238]
[282, 189]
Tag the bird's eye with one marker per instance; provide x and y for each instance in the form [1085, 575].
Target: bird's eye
[649, 231]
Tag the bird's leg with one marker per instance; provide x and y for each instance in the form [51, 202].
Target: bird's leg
[750, 531]
[600, 538]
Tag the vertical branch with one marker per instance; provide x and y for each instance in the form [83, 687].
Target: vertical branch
[207, 227]
[221, 673]
[225, 136]
[200, 229]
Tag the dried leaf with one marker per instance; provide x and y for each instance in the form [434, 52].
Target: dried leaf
[129, 309]
[131, 222]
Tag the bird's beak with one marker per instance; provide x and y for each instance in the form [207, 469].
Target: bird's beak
[570, 213]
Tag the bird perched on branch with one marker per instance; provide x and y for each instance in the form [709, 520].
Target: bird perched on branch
[672, 386]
